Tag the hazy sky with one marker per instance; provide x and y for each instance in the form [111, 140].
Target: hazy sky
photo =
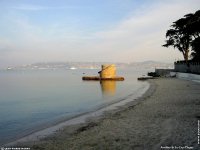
[88, 30]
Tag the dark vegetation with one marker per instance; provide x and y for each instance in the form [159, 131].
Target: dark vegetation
[184, 35]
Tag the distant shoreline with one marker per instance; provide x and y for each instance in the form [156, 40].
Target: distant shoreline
[86, 65]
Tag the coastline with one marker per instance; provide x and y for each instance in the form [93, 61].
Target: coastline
[84, 118]
[165, 116]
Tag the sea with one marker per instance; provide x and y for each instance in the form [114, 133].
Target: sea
[32, 100]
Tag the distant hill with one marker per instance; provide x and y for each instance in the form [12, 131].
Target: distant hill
[93, 65]
[151, 64]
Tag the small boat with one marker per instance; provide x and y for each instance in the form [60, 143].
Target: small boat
[9, 68]
[146, 78]
[72, 68]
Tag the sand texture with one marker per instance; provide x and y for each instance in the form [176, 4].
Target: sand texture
[166, 116]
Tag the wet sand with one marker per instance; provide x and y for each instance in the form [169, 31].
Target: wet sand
[165, 117]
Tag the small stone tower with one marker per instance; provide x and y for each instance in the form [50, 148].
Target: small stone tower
[108, 71]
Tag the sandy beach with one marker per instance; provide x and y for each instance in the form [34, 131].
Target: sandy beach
[165, 117]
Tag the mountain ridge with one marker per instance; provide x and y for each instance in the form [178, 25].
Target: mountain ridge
[93, 65]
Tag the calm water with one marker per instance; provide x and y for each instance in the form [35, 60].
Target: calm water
[31, 100]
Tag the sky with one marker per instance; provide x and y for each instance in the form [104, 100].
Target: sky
[88, 30]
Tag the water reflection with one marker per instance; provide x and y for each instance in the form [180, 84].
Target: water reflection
[108, 87]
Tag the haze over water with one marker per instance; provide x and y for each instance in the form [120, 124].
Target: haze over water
[34, 99]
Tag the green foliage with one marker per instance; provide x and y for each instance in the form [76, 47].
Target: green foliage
[184, 35]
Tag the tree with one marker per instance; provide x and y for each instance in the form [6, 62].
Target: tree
[196, 49]
[179, 38]
[184, 33]
[193, 24]
[194, 30]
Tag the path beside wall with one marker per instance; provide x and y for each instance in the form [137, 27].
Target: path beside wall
[186, 76]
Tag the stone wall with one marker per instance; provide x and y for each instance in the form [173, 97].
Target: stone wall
[191, 67]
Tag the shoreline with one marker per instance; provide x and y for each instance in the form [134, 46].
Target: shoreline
[96, 113]
[165, 116]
